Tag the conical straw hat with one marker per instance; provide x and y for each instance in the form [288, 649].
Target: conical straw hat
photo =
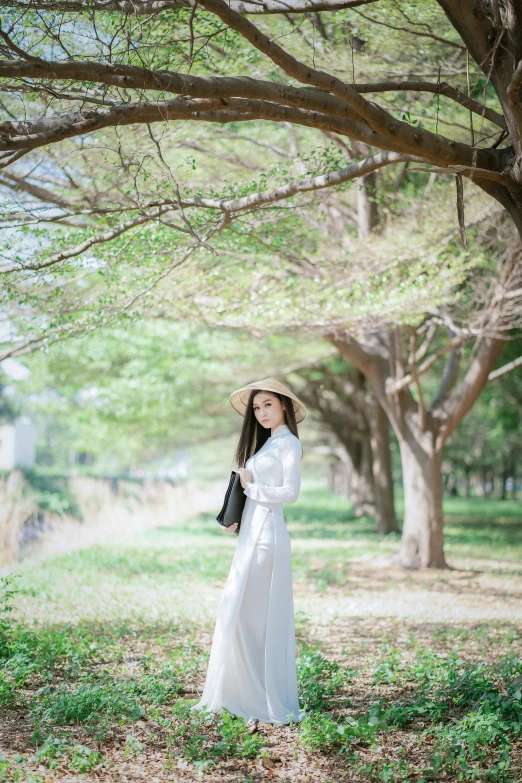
[239, 398]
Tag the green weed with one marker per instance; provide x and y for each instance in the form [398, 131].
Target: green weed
[95, 705]
[318, 679]
[204, 738]
[476, 747]
[133, 747]
[384, 771]
[61, 752]
[14, 771]
[321, 730]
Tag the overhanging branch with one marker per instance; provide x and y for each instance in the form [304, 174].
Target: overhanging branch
[409, 85]
[227, 206]
[151, 7]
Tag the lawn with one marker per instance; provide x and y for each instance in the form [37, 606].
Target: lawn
[404, 675]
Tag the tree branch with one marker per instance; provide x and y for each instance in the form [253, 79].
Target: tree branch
[414, 375]
[83, 246]
[150, 7]
[381, 123]
[133, 77]
[474, 27]
[443, 88]
[505, 369]
[19, 184]
[471, 385]
[414, 32]
[250, 202]
[405, 381]
[346, 104]
[25, 136]
[449, 377]
[353, 171]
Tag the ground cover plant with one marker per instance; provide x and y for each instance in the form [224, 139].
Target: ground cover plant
[403, 675]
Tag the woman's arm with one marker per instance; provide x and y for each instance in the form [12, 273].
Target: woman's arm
[289, 491]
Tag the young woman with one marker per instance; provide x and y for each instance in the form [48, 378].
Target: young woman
[252, 670]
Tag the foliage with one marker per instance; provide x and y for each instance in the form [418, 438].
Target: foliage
[129, 396]
[61, 752]
[323, 731]
[7, 592]
[318, 679]
[204, 738]
[96, 705]
[52, 493]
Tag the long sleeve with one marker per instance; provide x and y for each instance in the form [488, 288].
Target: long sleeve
[289, 491]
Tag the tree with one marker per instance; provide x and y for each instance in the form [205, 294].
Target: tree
[339, 395]
[132, 395]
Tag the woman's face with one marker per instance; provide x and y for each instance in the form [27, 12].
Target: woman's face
[268, 410]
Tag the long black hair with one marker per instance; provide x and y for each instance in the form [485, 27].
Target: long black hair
[253, 434]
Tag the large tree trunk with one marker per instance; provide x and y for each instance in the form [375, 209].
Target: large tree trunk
[385, 518]
[422, 544]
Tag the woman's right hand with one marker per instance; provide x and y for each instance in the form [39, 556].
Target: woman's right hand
[230, 528]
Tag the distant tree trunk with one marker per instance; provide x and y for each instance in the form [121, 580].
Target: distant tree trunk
[504, 475]
[385, 518]
[467, 482]
[338, 476]
[350, 410]
[362, 495]
[484, 482]
[367, 210]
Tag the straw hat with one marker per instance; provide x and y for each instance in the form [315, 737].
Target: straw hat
[239, 398]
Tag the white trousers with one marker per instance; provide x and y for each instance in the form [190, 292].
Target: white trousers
[244, 687]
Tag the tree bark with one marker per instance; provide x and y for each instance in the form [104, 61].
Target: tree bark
[367, 210]
[385, 518]
[422, 544]
[362, 495]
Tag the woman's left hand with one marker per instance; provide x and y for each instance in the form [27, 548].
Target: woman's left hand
[245, 476]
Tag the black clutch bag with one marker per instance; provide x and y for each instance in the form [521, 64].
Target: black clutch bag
[233, 504]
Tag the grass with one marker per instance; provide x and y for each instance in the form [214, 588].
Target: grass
[403, 676]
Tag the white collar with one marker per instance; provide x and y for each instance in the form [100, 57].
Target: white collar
[281, 430]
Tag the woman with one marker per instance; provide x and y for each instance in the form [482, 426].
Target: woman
[251, 670]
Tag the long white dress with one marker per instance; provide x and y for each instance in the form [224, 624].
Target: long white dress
[252, 667]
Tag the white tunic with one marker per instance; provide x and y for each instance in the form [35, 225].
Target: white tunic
[252, 669]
